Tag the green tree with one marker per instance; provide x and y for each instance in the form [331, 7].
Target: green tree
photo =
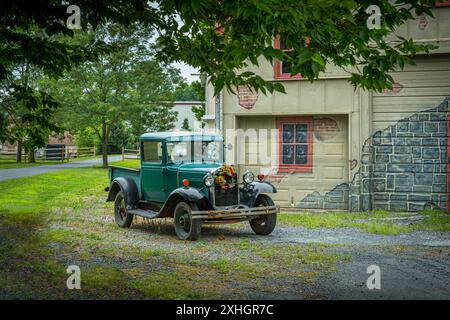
[121, 137]
[221, 38]
[121, 85]
[185, 92]
[29, 111]
[200, 110]
[185, 125]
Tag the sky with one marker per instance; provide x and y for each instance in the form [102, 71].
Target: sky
[186, 71]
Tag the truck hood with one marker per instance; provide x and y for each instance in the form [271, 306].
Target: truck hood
[195, 172]
[201, 168]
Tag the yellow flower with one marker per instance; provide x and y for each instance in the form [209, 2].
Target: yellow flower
[220, 179]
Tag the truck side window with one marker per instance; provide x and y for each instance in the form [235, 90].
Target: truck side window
[152, 151]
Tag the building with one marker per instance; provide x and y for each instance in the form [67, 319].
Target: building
[339, 148]
[184, 110]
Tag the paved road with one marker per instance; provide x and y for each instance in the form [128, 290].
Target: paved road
[7, 174]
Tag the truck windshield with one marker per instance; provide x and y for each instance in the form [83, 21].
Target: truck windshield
[194, 151]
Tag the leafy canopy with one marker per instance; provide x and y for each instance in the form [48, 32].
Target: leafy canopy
[222, 38]
[124, 87]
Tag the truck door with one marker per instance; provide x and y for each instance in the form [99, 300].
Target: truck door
[152, 171]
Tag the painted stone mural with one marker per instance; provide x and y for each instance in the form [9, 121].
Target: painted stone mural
[402, 168]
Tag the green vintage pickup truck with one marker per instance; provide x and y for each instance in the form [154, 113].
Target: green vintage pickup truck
[183, 175]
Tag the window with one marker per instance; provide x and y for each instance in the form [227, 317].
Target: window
[194, 151]
[151, 151]
[443, 3]
[295, 144]
[283, 69]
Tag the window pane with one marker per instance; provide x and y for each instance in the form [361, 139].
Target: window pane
[283, 46]
[301, 154]
[286, 67]
[301, 133]
[179, 152]
[288, 133]
[152, 151]
[288, 154]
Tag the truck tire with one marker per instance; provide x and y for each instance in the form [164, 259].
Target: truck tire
[186, 228]
[121, 215]
[264, 224]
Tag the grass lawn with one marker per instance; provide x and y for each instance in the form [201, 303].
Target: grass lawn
[377, 222]
[11, 163]
[53, 220]
[128, 163]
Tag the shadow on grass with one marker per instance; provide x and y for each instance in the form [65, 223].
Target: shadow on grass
[26, 268]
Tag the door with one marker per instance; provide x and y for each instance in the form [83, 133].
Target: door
[328, 163]
[153, 170]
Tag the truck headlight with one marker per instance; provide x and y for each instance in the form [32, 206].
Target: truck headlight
[248, 177]
[208, 180]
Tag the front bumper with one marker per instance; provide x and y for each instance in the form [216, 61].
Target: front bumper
[235, 214]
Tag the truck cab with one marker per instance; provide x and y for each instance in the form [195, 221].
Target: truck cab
[183, 175]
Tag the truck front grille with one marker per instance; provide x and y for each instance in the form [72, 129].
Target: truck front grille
[226, 198]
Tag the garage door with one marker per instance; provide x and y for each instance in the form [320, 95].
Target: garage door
[328, 155]
[417, 88]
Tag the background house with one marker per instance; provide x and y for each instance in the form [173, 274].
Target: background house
[340, 148]
[184, 110]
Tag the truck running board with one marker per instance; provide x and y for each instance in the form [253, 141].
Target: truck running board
[144, 213]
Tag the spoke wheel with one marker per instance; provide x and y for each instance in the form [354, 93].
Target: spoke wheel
[264, 224]
[185, 227]
[121, 215]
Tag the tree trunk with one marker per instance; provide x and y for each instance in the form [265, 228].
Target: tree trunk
[19, 152]
[32, 159]
[104, 144]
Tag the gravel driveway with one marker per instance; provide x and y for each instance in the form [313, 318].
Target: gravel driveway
[413, 266]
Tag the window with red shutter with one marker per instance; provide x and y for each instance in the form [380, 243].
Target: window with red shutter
[443, 3]
[295, 144]
[282, 69]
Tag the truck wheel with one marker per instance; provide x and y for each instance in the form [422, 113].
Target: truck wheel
[185, 227]
[122, 217]
[265, 224]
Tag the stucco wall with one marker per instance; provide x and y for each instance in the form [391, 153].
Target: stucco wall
[376, 171]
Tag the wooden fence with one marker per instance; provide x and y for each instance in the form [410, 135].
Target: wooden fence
[60, 154]
[131, 154]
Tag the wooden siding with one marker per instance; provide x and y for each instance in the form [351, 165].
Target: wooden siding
[330, 161]
[424, 86]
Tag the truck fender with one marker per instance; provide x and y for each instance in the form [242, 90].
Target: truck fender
[129, 190]
[251, 191]
[190, 195]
